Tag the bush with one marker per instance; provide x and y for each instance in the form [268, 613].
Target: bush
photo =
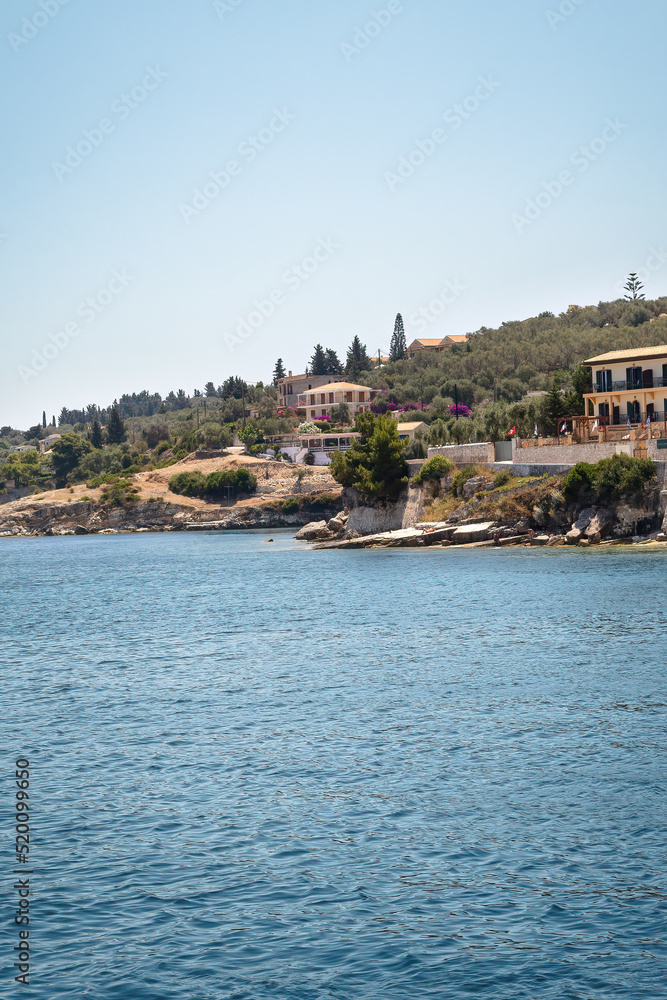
[119, 494]
[188, 484]
[436, 468]
[162, 447]
[617, 478]
[502, 479]
[309, 458]
[230, 480]
[461, 478]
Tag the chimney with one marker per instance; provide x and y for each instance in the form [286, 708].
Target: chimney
[289, 374]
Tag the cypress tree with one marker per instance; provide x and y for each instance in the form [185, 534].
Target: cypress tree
[43, 418]
[116, 433]
[96, 438]
[398, 347]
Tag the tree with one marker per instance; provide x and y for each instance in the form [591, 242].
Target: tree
[334, 367]
[66, 455]
[340, 414]
[398, 347]
[96, 437]
[116, 433]
[279, 371]
[633, 287]
[53, 420]
[209, 390]
[357, 360]
[374, 464]
[43, 418]
[554, 407]
[318, 362]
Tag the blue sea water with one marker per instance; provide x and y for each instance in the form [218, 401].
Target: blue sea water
[265, 772]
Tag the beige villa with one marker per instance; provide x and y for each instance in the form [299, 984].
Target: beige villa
[318, 404]
[438, 344]
[628, 386]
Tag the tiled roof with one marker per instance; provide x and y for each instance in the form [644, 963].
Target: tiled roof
[629, 355]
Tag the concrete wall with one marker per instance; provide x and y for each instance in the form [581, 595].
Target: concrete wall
[465, 454]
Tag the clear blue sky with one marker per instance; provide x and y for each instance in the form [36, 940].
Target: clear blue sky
[336, 97]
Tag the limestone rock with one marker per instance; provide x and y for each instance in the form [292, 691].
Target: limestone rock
[572, 537]
[80, 530]
[314, 530]
[584, 519]
[599, 526]
[556, 540]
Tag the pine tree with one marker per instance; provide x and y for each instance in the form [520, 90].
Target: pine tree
[318, 362]
[334, 367]
[96, 437]
[634, 287]
[115, 428]
[209, 389]
[357, 360]
[43, 418]
[398, 347]
[279, 371]
[554, 407]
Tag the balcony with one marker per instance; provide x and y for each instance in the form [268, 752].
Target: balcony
[628, 385]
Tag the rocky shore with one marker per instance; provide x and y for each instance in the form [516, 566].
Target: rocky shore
[529, 514]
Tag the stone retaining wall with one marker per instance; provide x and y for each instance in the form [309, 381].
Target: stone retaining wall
[465, 454]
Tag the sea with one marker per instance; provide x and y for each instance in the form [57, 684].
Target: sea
[260, 771]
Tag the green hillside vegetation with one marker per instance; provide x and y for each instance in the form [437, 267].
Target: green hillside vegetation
[490, 374]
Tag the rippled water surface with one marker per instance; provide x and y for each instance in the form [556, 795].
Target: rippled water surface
[265, 772]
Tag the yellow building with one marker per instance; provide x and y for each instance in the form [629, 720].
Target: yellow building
[628, 385]
[318, 404]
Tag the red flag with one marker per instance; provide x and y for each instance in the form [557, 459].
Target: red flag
[513, 431]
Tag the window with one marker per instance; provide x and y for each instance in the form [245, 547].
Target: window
[633, 378]
[312, 400]
[603, 409]
[603, 380]
[331, 397]
[633, 412]
[362, 397]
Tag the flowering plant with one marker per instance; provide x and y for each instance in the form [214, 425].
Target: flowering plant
[461, 409]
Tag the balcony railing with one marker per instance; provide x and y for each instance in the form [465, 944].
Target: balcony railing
[628, 385]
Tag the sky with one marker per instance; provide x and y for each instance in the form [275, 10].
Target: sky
[191, 190]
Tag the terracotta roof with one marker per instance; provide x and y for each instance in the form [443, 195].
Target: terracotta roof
[410, 425]
[459, 338]
[629, 355]
[428, 342]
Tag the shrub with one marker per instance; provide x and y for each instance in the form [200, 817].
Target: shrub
[229, 480]
[501, 478]
[323, 426]
[119, 494]
[436, 468]
[617, 478]
[461, 478]
[162, 447]
[577, 481]
[309, 458]
[188, 484]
